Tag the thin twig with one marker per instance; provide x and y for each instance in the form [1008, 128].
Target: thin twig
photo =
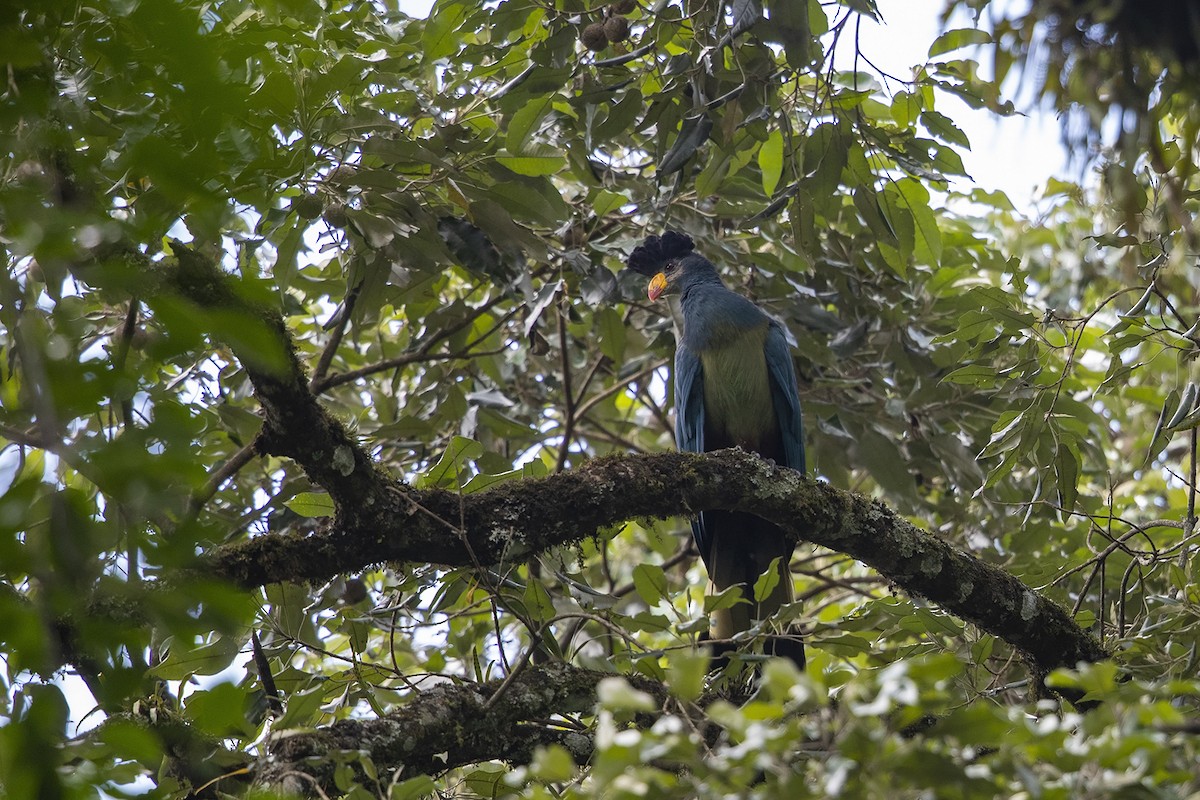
[215, 481]
[420, 353]
[587, 405]
[1190, 524]
[335, 339]
[600, 432]
[568, 393]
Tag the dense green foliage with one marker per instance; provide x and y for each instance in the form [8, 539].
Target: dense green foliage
[440, 208]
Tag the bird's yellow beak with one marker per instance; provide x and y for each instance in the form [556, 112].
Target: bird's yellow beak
[658, 285]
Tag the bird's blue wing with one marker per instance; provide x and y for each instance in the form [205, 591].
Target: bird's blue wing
[689, 400]
[785, 397]
[689, 418]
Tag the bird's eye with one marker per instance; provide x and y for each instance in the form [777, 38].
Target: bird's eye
[671, 266]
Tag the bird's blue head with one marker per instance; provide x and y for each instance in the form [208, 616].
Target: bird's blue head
[671, 263]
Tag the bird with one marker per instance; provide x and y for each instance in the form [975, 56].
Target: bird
[735, 385]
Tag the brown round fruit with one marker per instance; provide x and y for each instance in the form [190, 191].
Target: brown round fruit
[308, 206]
[593, 37]
[335, 215]
[616, 29]
[623, 6]
[344, 174]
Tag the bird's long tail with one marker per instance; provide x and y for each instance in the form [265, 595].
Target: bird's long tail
[731, 565]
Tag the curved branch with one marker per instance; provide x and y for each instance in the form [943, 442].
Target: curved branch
[513, 521]
[294, 425]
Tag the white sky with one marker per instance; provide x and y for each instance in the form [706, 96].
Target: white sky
[1013, 154]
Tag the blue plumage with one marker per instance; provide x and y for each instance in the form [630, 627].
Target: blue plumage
[734, 386]
[786, 398]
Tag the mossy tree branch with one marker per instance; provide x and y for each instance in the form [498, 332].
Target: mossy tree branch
[451, 725]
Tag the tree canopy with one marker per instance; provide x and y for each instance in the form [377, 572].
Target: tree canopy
[335, 449]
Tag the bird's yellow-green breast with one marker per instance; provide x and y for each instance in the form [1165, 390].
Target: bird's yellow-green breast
[737, 387]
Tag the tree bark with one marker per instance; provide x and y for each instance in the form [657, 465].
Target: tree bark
[452, 725]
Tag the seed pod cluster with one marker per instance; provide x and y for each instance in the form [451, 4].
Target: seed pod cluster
[613, 29]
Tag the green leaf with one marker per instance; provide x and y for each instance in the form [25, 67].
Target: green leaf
[865, 7]
[538, 604]
[790, 26]
[206, 659]
[650, 582]
[219, 711]
[532, 200]
[804, 225]
[533, 469]
[981, 375]
[616, 694]
[695, 625]
[552, 763]
[900, 220]
[648, 621]
[905, 108]
[976, 724]
[605, 202]
[523, 123]
[446, 470]
[727, 598]
[402, 155]
[312, 504]
[867, 202]
[612, 333]
[928, 241]
[486, 780]
[943, 127]
[711, 178]
[825, 155]
[1066, 469]
[443, 28]
[621, 115]
[533, 165]
[686, 673]
[693, 133]
[413, 788]
[1006, 434]
[885, 462]
[770, 161]
[766, 583]
[132, 738]
[960, 37]
[1157, 439]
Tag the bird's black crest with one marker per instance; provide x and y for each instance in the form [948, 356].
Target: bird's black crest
[649, 257]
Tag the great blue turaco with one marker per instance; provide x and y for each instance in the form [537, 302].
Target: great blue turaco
[735, 385]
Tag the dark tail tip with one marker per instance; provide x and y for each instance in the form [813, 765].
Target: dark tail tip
[790, 646]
